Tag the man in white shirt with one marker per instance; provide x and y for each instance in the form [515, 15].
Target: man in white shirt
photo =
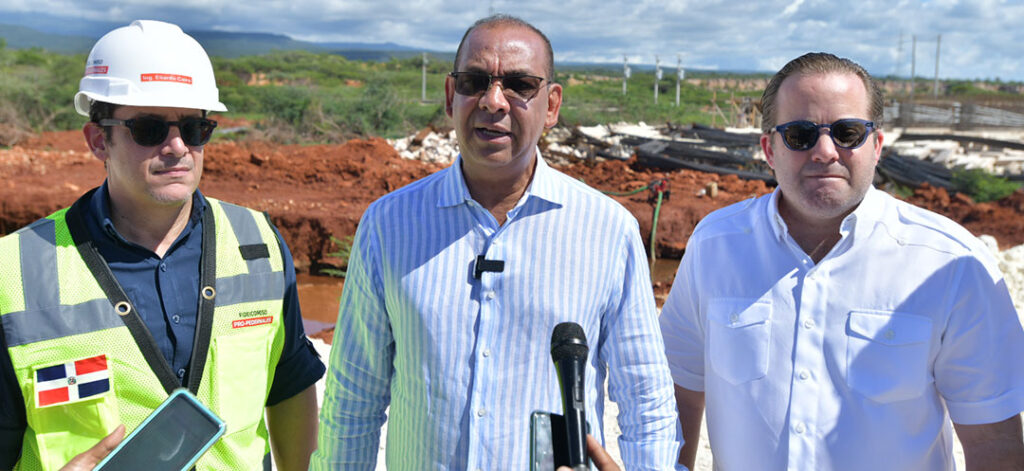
[830, 326]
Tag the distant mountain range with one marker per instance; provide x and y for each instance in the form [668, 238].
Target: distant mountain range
[23, 31]
[217, 43]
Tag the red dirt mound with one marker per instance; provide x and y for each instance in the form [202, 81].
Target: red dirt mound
[314, 192]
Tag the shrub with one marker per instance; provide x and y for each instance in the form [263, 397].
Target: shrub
[344, 249]
[981, 185]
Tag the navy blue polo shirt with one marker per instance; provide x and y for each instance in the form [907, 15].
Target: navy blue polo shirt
[165, 292]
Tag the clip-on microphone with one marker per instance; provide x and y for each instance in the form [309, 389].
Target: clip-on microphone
[483, 265]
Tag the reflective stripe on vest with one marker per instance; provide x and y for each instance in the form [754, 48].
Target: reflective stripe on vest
[53, 312]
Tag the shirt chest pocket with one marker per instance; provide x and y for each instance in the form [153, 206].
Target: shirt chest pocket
[887, 354]
[739, 336]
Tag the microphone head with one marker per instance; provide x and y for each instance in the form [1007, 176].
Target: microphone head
[568, 341]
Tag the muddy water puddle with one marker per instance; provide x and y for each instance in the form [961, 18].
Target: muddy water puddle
[664, 270]
[318, 297]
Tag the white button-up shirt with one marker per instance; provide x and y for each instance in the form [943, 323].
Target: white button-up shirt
[851, 363]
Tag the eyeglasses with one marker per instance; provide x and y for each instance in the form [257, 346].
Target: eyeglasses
[515, 86]
[148, 131]
[849, 133]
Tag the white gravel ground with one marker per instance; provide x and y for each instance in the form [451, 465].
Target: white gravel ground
[1011, 263]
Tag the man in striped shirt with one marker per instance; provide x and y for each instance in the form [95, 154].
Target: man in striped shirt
[456, 281]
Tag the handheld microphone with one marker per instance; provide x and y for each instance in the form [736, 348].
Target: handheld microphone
[569, 352]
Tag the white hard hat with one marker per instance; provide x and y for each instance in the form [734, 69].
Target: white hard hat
[149, 63]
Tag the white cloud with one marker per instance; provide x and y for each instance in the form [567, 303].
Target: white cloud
[980, 38]
[792, 8]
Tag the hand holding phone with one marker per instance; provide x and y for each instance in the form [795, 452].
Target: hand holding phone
[172, 438]
[600, 457]
[549, 445]
[86, 460]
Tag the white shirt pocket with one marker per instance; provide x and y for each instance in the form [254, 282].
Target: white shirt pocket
[887, 354]
[739, 334]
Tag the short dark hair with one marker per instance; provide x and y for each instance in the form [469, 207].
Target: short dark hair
[502, 19]
[819, 63]
[99, 110]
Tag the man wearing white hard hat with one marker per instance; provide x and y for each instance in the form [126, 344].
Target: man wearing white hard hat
[144, 285]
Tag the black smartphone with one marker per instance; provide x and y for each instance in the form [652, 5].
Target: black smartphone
[549, 445]
[172, 438]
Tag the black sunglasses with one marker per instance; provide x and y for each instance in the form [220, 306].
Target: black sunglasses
[515, 86]
[849, 133]
[148, 131]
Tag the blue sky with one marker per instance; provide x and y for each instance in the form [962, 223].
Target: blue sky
[980, 38]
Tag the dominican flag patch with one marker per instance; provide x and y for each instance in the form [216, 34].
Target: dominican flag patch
[72, 381]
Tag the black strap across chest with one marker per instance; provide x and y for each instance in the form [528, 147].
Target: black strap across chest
[129, 314]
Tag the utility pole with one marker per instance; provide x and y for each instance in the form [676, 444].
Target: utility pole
[423, 87]
[679, 76]
[938, 41]
[657, 77]
[625, 73]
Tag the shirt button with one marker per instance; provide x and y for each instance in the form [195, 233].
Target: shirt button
[490, 295]
[734, 317]
[176, 318]
[799, 429]
[808, 323]
[890, 334]
[163, 267]
[481, 412]
[487, 352]
[181, 373]
[804, 375]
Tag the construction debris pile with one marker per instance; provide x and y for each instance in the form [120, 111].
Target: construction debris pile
[923, 156]
[428, 145]
[909, 158]
[697, 160]
[563, 145]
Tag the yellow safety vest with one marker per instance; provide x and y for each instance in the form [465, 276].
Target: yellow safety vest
[55, 311]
